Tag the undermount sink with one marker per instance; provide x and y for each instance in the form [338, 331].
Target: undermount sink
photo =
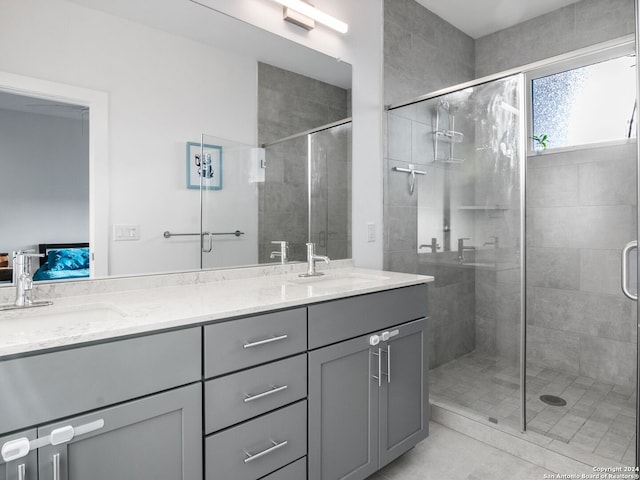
[339, 280]
[87, 313]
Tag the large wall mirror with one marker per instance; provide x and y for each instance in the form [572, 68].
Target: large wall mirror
[109, 109]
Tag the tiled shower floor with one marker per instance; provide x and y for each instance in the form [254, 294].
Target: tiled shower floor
[596, 425]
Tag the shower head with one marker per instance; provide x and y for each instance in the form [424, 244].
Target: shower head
[448, 107]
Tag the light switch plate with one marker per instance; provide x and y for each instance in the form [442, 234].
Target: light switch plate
[126, 232]
[371, 232]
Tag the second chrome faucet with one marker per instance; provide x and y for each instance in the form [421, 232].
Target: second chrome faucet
[312, 258]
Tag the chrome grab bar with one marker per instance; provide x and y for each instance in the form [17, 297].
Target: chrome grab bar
[168, 234]
[625, 271]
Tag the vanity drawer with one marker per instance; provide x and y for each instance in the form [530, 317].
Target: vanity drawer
[296, 471]
[238, 344]
[332, 322]
[228, 452]
[42, 388]
[234, 398]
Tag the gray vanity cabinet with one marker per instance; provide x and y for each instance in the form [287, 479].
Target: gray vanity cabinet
[343, 411]
[368, 396]
[25, 468]
[154, 438]
[404, 396]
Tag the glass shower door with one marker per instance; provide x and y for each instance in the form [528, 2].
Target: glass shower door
[228, 173]
[581, 212]
[330, 191]
[455, 161]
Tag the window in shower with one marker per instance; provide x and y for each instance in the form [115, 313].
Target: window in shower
[569, 108]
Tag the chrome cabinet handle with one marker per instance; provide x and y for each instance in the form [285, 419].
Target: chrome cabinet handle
[388, 363]
[56, 466]
[274, 389]
[22, 472]
[625, 257]
[265, 341]
[276, 446]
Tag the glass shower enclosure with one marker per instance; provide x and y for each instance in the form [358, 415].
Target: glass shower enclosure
[530, 331]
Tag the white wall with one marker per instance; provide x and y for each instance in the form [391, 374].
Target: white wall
[362, 47]
[41, 159]
[164, 91]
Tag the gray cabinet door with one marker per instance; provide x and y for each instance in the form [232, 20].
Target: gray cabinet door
[343, 411]
[24, 468]
[154, 438]
[404, 398]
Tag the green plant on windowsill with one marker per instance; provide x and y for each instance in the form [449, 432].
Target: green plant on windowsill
[540, 142]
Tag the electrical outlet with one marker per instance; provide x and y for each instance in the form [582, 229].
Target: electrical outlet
[123, 232]
[371, 232]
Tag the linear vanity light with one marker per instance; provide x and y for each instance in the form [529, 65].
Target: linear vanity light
[315, 14]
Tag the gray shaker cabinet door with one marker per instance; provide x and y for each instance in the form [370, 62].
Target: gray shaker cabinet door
[404, 399]
[154, 438]
[24, 468]
[343, 411]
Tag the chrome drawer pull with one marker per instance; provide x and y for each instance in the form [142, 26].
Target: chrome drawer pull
[22, 472]
[275, 447]
[265, 341]
[274, 389]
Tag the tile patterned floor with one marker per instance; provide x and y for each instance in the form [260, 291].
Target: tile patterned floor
[598, 420]
[449, 455]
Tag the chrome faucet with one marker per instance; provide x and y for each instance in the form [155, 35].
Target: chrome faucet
[283, 253]
[462, 247]
[312, 258]
[494, 243]
[434, 246]
[24, 280]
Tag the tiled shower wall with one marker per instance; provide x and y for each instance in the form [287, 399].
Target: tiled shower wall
[575, 26]
[289, 103]
[423, 53]
[581, 210]
[452, 301]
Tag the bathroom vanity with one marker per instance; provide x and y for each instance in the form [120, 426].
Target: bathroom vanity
[270, 377]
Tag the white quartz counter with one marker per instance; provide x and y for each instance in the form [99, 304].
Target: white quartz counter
[94, 317]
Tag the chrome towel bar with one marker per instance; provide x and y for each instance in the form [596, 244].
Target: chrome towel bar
[168, 234]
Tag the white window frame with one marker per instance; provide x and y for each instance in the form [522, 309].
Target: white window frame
[578, 61]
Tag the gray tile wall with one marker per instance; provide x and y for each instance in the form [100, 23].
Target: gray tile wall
[568, 256]
[289, 103]
[575, 26]
[422, 52]
[581, 212]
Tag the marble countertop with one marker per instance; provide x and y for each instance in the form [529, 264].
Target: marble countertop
[87, 318]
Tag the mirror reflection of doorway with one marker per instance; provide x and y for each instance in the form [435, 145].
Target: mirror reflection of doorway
[44, 151]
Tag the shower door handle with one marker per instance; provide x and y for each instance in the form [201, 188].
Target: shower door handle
[625, 269]
[210, 245]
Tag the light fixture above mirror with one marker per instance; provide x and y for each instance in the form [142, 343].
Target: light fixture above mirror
[307, 10]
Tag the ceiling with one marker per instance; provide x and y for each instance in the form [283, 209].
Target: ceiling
[478, 18]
